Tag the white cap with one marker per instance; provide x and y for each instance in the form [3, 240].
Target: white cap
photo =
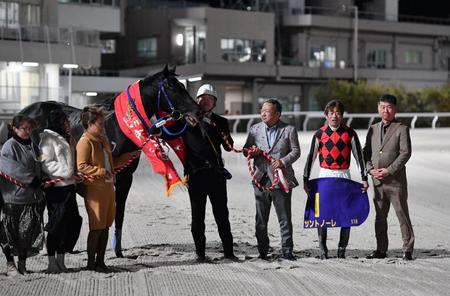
[207, 89]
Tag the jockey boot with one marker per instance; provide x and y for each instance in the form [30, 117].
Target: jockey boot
[322, 234]
[52, 265]
[117, 242]
[60, 261]
[92, 245]
[343, 241]
[101, 250]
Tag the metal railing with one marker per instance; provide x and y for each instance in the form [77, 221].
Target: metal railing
[303, 118]
[45, 34]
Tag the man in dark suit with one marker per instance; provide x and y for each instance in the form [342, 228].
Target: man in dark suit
[280, 140]
[387, 149]
[207, 175]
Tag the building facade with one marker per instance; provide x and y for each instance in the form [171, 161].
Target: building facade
[285, 49]
[250, 50]
[44, 44]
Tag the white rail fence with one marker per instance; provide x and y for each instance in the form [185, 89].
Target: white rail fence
[303, 118]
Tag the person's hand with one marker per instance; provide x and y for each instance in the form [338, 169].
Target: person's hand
[379, 174]
[365, 186]
[277, 164]
[383, 173]
[254, 151]
[374, 173]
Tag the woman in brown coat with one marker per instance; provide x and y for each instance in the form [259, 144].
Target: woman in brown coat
[94, 158]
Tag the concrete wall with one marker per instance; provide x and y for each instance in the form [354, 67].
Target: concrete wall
[39, 52]
[101, 18]
[239, 25]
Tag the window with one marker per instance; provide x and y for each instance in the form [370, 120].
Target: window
[108, 46]
[413, 57]
[9, 14]
[322, 56]
[32, 15]
[376, 58]
[243, 51]
[147, 48]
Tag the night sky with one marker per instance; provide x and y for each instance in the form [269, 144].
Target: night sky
[430, 8]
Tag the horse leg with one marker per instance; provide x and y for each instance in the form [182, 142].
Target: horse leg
[124, 180]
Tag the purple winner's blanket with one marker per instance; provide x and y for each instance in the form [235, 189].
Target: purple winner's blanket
[335, 202]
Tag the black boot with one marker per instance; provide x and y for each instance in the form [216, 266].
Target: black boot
[343, 241]
[101, 250]
[92, 245]
[322, 233]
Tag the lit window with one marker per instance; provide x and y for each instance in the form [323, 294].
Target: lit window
[108, 46]
[147, 47]
[413, 57]
[322, 56]
[243, 51]
[376, 58]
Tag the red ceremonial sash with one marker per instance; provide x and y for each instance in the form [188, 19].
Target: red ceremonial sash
[132, 127]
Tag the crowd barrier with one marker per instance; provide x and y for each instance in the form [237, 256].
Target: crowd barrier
[312, 120]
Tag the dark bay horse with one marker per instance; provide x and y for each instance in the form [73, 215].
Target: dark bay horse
[150, 89]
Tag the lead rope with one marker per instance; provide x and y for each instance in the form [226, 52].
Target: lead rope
[250, 152]
[81, 177]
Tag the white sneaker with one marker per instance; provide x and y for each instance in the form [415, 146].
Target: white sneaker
[11, 269]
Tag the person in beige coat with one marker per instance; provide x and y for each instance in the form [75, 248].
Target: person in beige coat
[94, 158]
[387, 150]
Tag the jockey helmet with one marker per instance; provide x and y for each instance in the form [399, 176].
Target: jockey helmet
[207, 89]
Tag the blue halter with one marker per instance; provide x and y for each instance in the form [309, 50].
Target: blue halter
[176, 115]
[160, 122]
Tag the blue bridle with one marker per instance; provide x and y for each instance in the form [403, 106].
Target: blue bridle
[160, 122]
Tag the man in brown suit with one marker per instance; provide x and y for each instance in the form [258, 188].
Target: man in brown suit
[387, 149]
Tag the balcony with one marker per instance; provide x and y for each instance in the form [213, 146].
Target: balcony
[50, 45]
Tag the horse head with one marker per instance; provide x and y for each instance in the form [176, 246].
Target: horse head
[166, 98]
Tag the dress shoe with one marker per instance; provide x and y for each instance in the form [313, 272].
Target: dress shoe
[341, 253]
[202, 259]
[323, 255]
[263, 257]
[407, 256]
[289, 256]
[101, 267]
[376, 255]
[231, 257]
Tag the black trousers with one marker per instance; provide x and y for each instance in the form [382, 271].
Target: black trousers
[209, 183]
[64, 220]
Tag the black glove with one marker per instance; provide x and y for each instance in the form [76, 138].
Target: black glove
[36, 183]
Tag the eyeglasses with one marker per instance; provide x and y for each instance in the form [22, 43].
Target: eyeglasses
[26, 128]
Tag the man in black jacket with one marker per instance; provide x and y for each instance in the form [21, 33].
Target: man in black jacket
[207, 175]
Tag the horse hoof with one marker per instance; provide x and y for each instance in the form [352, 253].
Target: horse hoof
[119, 253]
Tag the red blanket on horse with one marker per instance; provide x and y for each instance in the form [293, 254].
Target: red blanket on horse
[132, 126]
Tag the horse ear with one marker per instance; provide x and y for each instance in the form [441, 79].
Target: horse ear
[166, 70]
[172, 70]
